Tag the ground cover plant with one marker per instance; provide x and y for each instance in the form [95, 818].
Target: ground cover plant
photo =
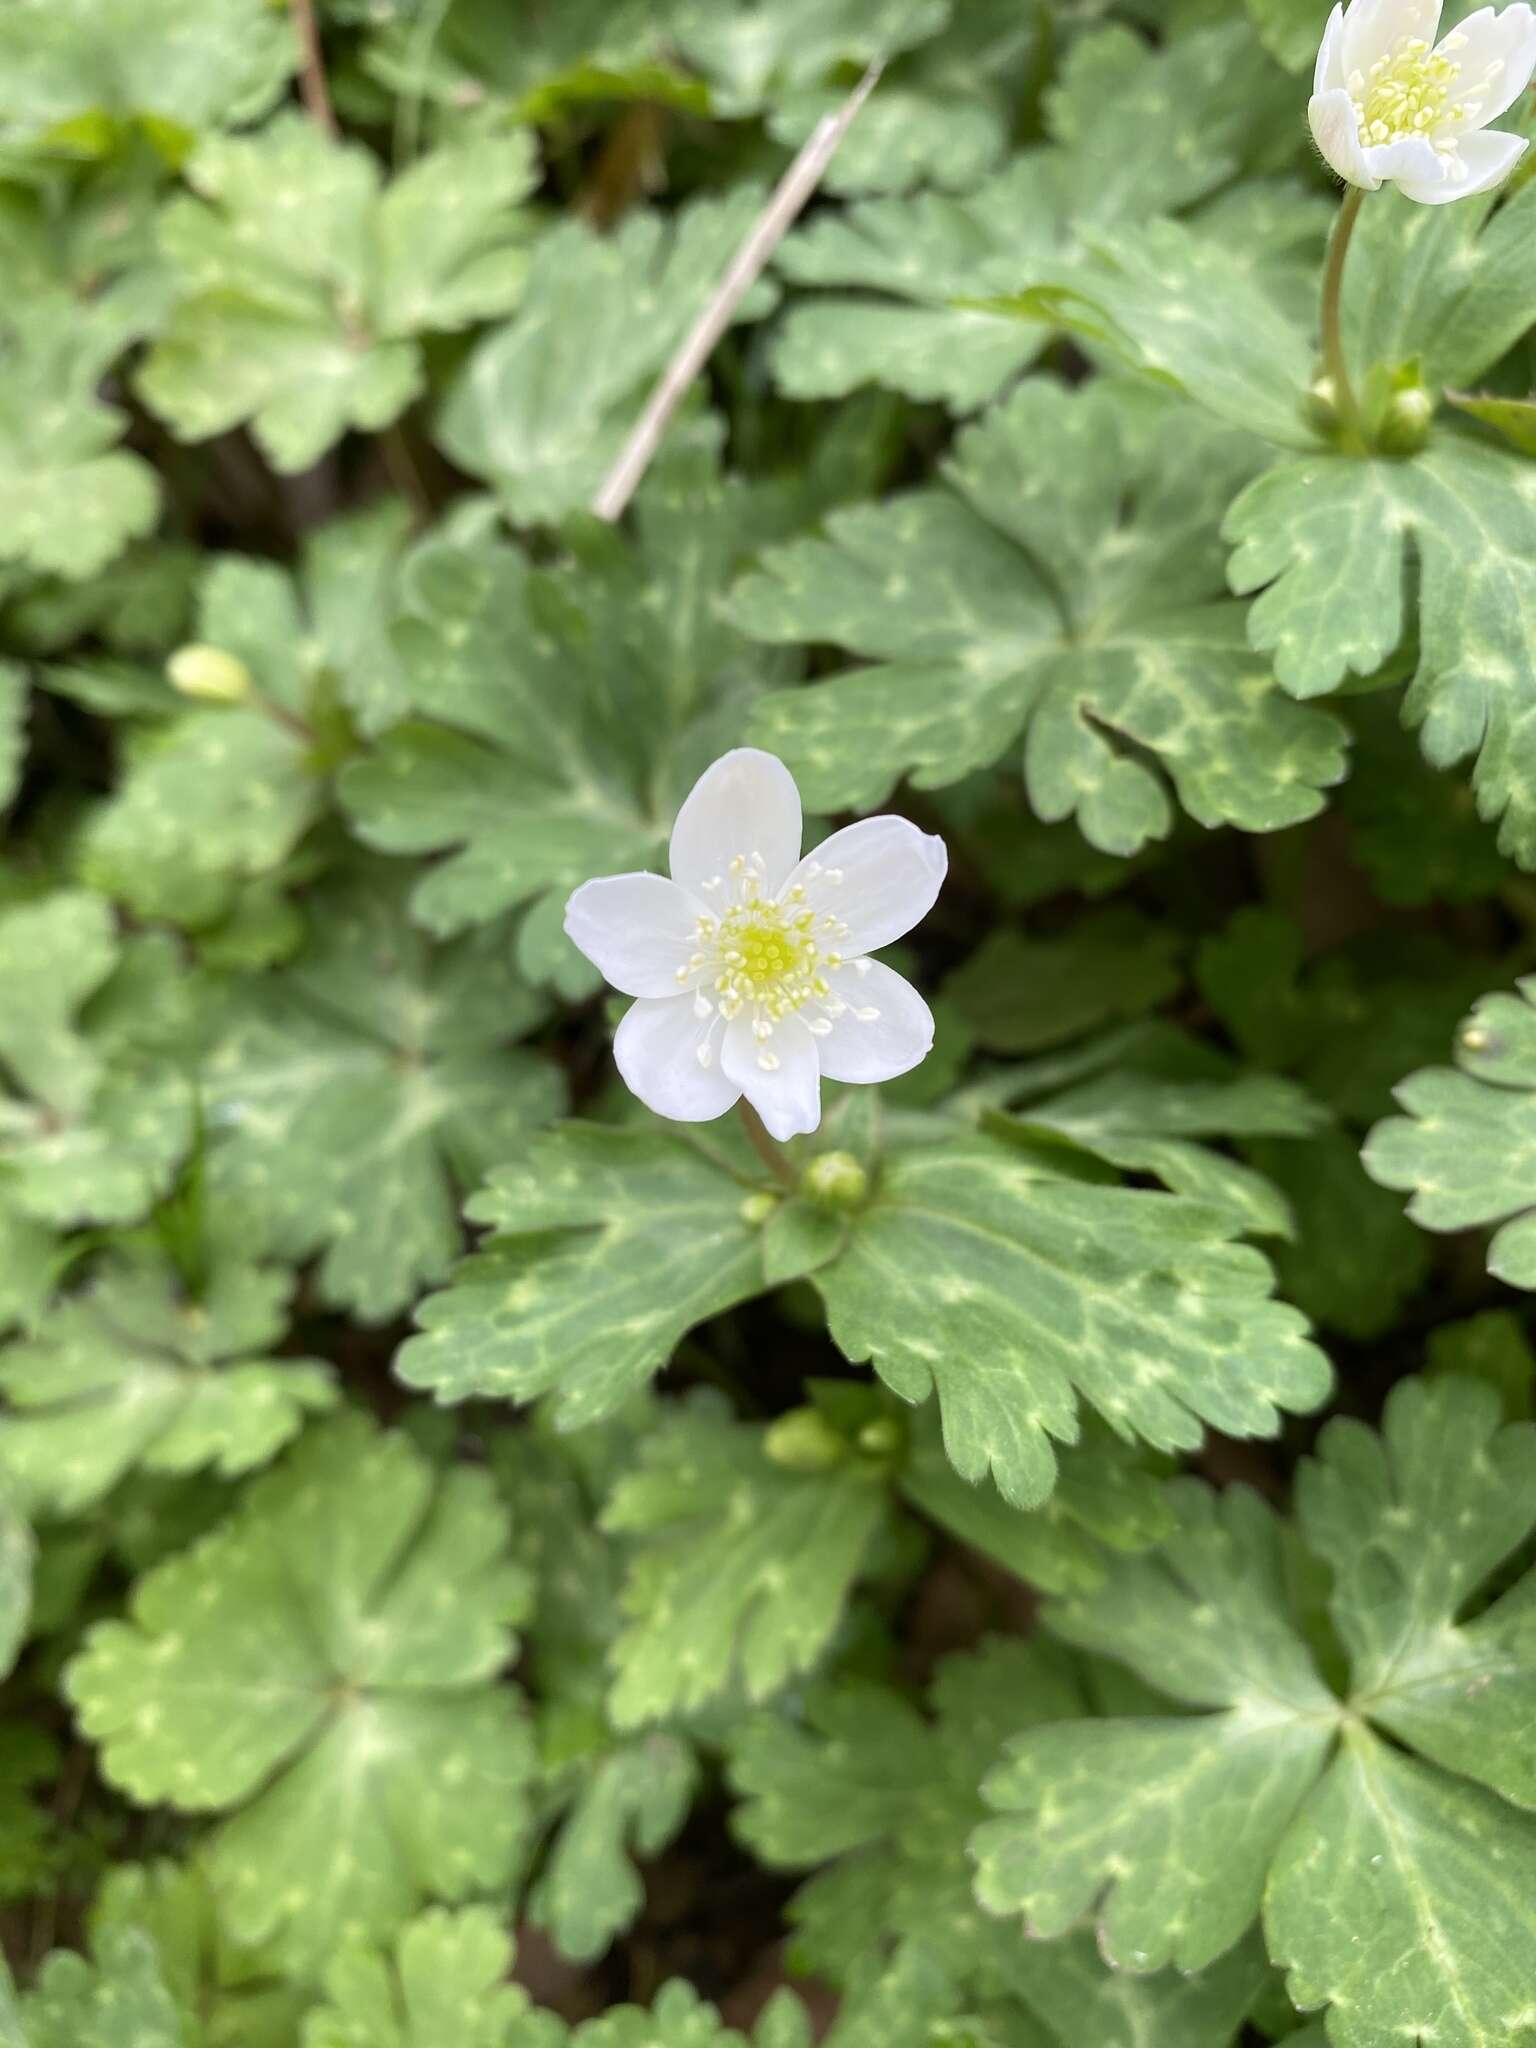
[767, 1027]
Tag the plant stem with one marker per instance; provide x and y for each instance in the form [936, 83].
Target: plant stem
[1345, 402]
[766, 1149]
[312, 83]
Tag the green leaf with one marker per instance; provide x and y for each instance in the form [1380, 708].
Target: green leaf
[629, 1805]
[1021, 994]
[93, 1116]
[746, 1566]
[227, 1996]
[1490, 1347]
[1011, 1291]
[1069, 1986]
[1324, 540]
[1385, 1869]
[16, 1558]
[1438, 1942]
[911, 278]
[1416, 832]
[561, 714]
[1412, 1523]
[305, 282]
[1136, 1818]
[1467, 1146]
[443, 1985]
[353, 1094]
[70, 498]
[544, 403]
[1290, 30]
[117, 2000]
[1356, 1259]
[1104, 1496]
[134, 1373]
[76, 71]
[1068, 587]
[855, 1773]
[606, 1247]
[322, 1670]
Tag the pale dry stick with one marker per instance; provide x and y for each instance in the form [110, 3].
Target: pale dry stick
[790, 195]
[312, 80]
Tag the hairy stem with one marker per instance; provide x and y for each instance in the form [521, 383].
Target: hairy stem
[767, 1150]
[1334, 358]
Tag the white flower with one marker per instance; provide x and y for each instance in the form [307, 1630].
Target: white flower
[1389, 106]
[749, 966]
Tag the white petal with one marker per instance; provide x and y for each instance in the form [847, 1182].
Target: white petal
[1415, 166]
[1373, 28]
[1487, 160]
[1507, 40]
[656, 1049]
[1336, 131]
[787, 1095]
[746, 803]
[880, 877]
[1329, 74]
[637, 930]
[881, 1047]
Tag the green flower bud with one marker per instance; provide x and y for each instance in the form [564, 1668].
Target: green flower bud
[756, 1209]
[1405, 421]
[804, 1441]
[836, 1180]
[880, 1438]
[209, 674]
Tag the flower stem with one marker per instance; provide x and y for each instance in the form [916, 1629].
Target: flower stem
[1337, 364]
[766, 1149]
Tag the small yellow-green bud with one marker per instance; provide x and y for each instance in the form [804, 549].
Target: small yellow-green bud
[880, 1438]
[804, 1441]
[756, 1209]
[1405, 422]
[836, 1180]
[209, 674]
[1322, 404]
[1476, 1038]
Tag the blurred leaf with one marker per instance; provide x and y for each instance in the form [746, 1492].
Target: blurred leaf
[322, 1670]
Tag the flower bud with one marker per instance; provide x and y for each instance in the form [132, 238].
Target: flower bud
[881, 1438]
[804, 1441]
[1405, 421]
[209, 674]
[756, 1209]
[836, 1180]
[1322, 405]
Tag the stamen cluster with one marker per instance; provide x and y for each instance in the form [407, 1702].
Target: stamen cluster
[767, 955]
[1408, 91]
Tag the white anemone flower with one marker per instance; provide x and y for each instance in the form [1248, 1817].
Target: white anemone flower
[1389, 105]
[750, 966]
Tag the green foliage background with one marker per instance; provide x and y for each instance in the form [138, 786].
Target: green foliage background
[480, 1568]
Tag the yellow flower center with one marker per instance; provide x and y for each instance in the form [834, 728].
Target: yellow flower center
[1409, 92]
[769, 956]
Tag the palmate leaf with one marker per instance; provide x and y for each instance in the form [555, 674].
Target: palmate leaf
[322, 1671]
[1385, 1867]
[70, 498]
[1067, 586]
[886, 1800]
[542, 406]
[746, 1565]
[908, 279]
[1466, 1147]
[351, 1095]
[305, 282]
[73, 71]
[979, 1270]
[1324, 541]
[94, 1108]
[443, 1985]
[135, 1373]
[118, 1999]
[227, 1996]
[215, 797]
[562, 714]
[629, 1804]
